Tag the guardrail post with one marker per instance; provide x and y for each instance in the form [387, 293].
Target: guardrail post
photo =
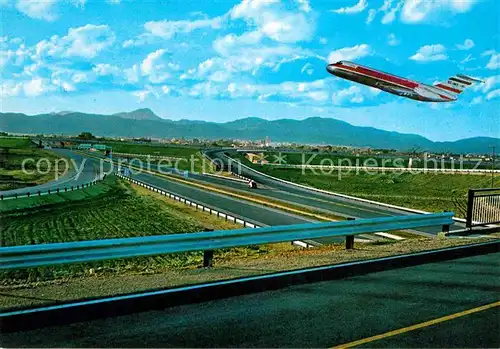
[349, 239]
[208, 255]
[57, 190]
[470, 205]
[15, 195]
[28, 194]
[208, 258]
[39, 193]
[446, 227]
[1, 197]
[48, 191]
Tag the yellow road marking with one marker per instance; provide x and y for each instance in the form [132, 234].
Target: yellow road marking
[417, 326]
[334, 203]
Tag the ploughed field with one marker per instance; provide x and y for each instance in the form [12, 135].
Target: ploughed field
[110, 209]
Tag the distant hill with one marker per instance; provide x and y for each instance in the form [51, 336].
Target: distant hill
[140, 114]
[315, 130]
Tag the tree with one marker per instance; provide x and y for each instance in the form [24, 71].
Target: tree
[86, 136]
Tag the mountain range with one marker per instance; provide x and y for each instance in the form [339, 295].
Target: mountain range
[314, 130]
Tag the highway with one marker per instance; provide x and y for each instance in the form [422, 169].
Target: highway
[335, 204]
[254, 213]
[261, 215]
[452, 303]
[84, 171]
[270, 190]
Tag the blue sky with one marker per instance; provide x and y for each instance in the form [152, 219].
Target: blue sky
[224, 60]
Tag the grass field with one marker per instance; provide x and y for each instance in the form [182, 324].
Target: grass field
[332, 159]
[25, 204]
[429, 192]
[16, 143]
[113, 209]
[182, 158]
[153, 149]
[13, 151]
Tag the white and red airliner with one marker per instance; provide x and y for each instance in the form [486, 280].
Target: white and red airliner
[447, 91]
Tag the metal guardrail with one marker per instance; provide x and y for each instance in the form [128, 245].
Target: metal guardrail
[157, 157]
[97, 250]
[192, 203]
[62, 189]
[483, 207]
[388, 169]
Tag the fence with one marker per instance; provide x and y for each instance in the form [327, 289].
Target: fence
[383, 169]
[50, 191]
[192, 203]
[29, 256]
[483, 207]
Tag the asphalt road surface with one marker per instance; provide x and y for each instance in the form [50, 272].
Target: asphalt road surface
[339, 205]
[315, 315]
[85, 171]
[258, 214]
[274, 190]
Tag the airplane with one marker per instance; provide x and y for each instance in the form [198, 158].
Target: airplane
[446, 91]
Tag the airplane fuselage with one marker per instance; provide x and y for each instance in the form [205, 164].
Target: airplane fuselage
[389, 83]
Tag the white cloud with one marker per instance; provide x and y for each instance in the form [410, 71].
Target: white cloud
[79, 3]
[266, 18]
[35, 87]
[168, 29]
[350, 53]
[390, 13]
[141, 95]
[489, 83]
[430, 53]
[477, 100]
[307, 68]
[304, 92]
[467, 45]
[38, 9]
[323, 40]
[360, 6]
[249, 52]
[416, 11]
[371, 16]
[392, 40]
[47, 10]
[352, 94]
[87, 42]
[304, 5]
[270, 18]
[156, 68]
[493, 94]
[467, 59]
[10, 89]
[149, 64]
[106, 69]
[494, 62]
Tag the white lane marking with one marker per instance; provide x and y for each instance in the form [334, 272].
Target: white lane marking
[390, 236]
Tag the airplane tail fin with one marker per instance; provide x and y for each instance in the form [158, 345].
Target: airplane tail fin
[457, 84]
